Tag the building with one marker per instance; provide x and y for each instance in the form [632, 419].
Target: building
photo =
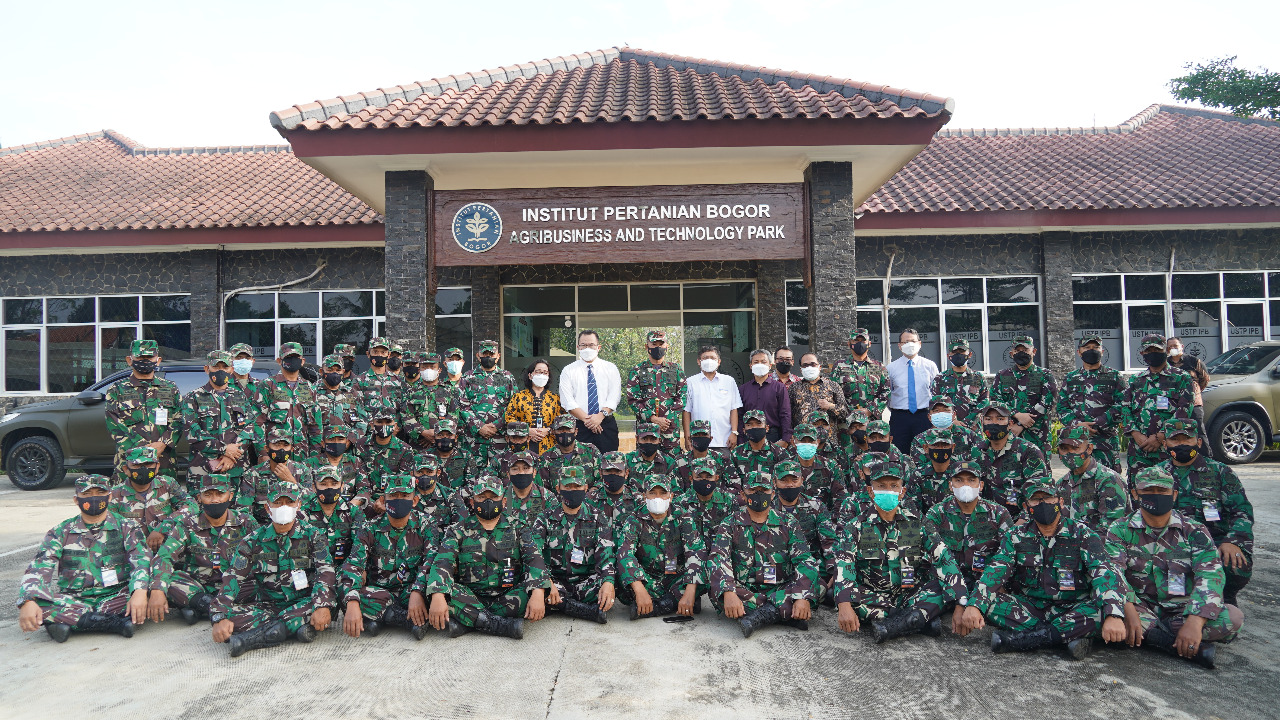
[743, 207]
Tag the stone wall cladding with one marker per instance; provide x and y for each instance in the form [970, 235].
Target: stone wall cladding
[771, 304]
[203, 286]
[1197, 250]
[833, 255]
[345, 269]
[955, 255]
[486, 307]
[406, 260]
[1057, 304]
[95, 274]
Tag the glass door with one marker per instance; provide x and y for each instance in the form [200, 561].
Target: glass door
[1244, 324]
[303, 333]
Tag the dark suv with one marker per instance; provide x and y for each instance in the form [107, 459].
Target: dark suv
[41, 442]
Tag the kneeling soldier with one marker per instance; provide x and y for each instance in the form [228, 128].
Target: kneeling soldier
[660, 555]
[329, 512]
[147, 498]
[577, 546]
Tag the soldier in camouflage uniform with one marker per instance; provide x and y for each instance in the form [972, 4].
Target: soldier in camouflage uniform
[1091, 492]
[1048, 582]
[971, 527]
[966, 388]
[930, 483]
[880, 440]
[148, 499]
[660, 555]
[890, 569]
[829, 446]
[814, 519]
[568, 451]
[488, 572]
[387, 572]
[942, 416]
[822, 476]
[142, 409]
[1092, 396]
[656, 391]
[436, 506]
[329, 512]
[395, 363]
[385, 456]
[91, 572]
[1154, 397]
[289, 401]
[279, 466]
[858, 501]
[853, 441]
[756, 453]
[424, 399]
[761, 570]
[1175, 579]
[377, 388]
[337, 454]
[517, 444]
[578, 547]
[700, 448]
[863, 380]
[454, 359]
[526, 498]
[250, 388]
[187, 570]
[1008, 461]
[338, 405]
[1210, 493]
[1030, 391]
[220, 423]
[613, 495]
[705, 501]
[456, 464]
[485, 392]
[648, 457]
[347, 352]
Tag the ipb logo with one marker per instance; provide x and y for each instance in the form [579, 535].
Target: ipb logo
[477, 227]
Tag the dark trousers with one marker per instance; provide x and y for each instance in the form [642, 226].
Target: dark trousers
[606, 440]
[905, 426]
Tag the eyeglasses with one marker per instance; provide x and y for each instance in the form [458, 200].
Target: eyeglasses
[810, 364]
[586, 345]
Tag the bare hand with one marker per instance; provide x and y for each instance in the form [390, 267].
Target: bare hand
[281, 470]
[233, 451]
[690, 596]
[536, 609]
[379, 506]
[428, 435]
[644, 601]
[138, 606]
[488, 430]
[1024, 419]
[1132, 625]
[352, 620]
[554, 598]
[159, 446]
[1188, 641]
[438, 616]
[732, 441]
[537, 435]
[157, 606]
[223, 463]
[973, 619]
[847, 618]
[155, 540]
[417, 608]
[733, 606]
[685, 444]
[593, 422]
[664, 424]
[606, 596]
[1113, 630]
[222, 630]
[958, 625]
[800, 610]
[31, 616]
[1232, 555]
[825, 404]
[321, 618]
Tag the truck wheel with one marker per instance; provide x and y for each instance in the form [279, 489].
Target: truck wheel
[35, 463]
[1237, 438]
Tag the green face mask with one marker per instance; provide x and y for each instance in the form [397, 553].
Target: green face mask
[1074, 461]
[887, 500]
[806, 451]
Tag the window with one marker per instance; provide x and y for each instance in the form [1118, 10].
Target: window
[62, 345]
[1211, 312]
[317, 320]
[797, 317]
[453, 319]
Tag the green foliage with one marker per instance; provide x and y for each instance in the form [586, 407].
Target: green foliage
[1218, 83]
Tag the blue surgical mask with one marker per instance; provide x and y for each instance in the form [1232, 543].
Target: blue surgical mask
[887, 500]
[941, 419]
[453, 366]
[242, 367]
[806, 451]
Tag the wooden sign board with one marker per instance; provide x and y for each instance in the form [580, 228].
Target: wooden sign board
[666, 223]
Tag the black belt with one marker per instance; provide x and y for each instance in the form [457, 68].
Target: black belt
[901, 410]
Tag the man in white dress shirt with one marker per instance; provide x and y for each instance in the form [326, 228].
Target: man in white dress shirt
[712, 397]
[590, 390]
[910, 377]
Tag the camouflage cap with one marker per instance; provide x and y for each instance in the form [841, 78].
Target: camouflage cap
[878, 427]
[453, 351]
[656, 336]
[705, 464]
[786, 468]
[382, 412]
[1041, 484]
[280, 490]
[1026, 340]
[805, 431]
[144, 348]
[425, 461]
[818, 416]
[941, 400]
[753, 415]
[564, 422]
[219, 356]
[1181, 426]
[957, 344]
[488, 346]
[215, 482]
[429, 357]
[142, 455]
[1153, 340]
[933, 436]
[399, 483]
[379, 342]
[239, 348]
[290, 348]
[1090, 337]
[757, 479]
[326, 471]
[447, 424]
[700, 426]
[998, 407]
[969, 466]
[331, 360]
[397, 348]
[88, 482]
[613, 460]
[1154, 476]
[859, 333]
[487, 483]
[279, 434]
[658, 480]
[859, 416]
[646, 429]
[337, 431]
[412, 356]
[345, 349]
[867, 460]
[573, 475]
[890, 468]
[518, 429]
[1074, 435]
[524, 456]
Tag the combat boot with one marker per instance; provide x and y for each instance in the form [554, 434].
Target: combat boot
[264, 636]
[903, 622]
[197, 607]
[58, 631]
[664, 605]
[766, 614]
[305, 634]
[1161, 637]
[456, 629]
[934, 628]
[584, 611]
[1003, 641]
[504, 627]
[101, 622]
[397, 615]
[1080, 648]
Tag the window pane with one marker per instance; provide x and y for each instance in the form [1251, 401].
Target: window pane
[1006, 323]
[24, 312]
[1275, 319]
[1244, 324]
[1199, 326]
[797, 295]
[1242, 285]
[115, 344]
[733, 333]
[260, 335]
[1273, 281]
[546, 299]
[966, 325]
[1012, 290]
[71, 310]
[166, 307]
[1104, 321]
[299, 305]
[353, 332]
[71, 358]
[797, 328]
[173, 341]
[380, 302]
[1194, 286]
[719, 295]
[21, 359]
[1144, 287]
[118, 309]
[303, 334]
[961, 290]
[1143, 320]
[655, 297]
[348, 304]
[453, 301]
[870, 292]
[602, 298]
[454, 332]
[530, 337]
[913, 292]
[924, 321]
[252, 306]
[1098, 287]
[873, 321]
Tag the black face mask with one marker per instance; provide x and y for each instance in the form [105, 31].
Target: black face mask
[142, 475]
[92, 506]
[647, 449]
[521, 480]
[782, 367]
[144, 367]
[293, 363]
[1183, 453]
[859, 436]
[279, 456]
[1092, 357]
[219, 377]
[1155, 359]
[411, 372]
[1155, 504]
[1045, 513]
[573, 498]
[859, 348]
[328, 496]
[700, 443]
[756, 434]
[704, 487]
[790, 494]
[377, 360]
[488, 509]
[880, 446]
[384, 431]
[399, 507]
[1022, 358]
[488, 363]
[348, 364]
[758, 501]
[394, 363]
[335, 449]
[215, 510]
[517, 444]
[333, 380]
[444, 445]
[995, 431]
[657, 353]
[614, 483]
[940, 455]
[958, 359]
[565, 439]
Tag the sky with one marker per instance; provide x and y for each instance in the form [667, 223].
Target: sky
[175, 74]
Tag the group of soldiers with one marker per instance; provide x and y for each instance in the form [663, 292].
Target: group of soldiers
[405, 496]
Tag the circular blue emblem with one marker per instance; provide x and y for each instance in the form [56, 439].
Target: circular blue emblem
[477, 227]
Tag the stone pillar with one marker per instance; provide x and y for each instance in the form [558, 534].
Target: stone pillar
[410, 307]
[202, 271]
[486, 307]
[1059, 316]
[831, 255]
[771, 305]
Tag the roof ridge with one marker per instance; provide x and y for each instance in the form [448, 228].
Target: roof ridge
[42, 144]
[1132, 124]
[211, 150]
[137, 149]
[1218, 115]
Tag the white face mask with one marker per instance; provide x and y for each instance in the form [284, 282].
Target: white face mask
[283, 515]
[540, 380]
[588, 354]
[759, 369]
[1175, 352]
[657, 506]
[910, 349]
[430, 374]
[241, 367]
[810, 373]
[453, 366]
[965, 493]
[709, 364]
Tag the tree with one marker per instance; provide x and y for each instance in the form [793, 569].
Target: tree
[1218, 83]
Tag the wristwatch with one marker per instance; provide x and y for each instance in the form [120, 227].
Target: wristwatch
[606, 412]
[962, 601]
[216, 618]
[733, 432]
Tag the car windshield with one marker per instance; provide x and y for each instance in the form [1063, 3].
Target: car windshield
[1243, 360]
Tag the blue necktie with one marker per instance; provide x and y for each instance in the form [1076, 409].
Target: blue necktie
[911, 386]
[593, 395]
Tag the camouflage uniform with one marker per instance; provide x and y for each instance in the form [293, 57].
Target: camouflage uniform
[709, 513]
[928, 486]
[423, 403]
[387, 564]
[457, 469]
[135, 408]
[581, 454]
[485, 394]
[864, 384]
[257, 483]
[618, 506]
[445, 377]
[684, 462]
[658, 389]
[378, 391]
[195, 554]
[290, 407]
[1151, 400]
[251, 388]
[1097, 497]
[971, 538]
[578, 548]
[435, 506]
[964, 439]
[382, 461]
[745, 458]
[340, 525]
[664, 556]
[823, 477]
[813, 519]
[153, 506]
[336, 407]
[1005, 472]
[966, 389]
[522, 511]
[213, 419]
[659, 463]
[1095, 396]
[356, 487]
[1033, 391]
